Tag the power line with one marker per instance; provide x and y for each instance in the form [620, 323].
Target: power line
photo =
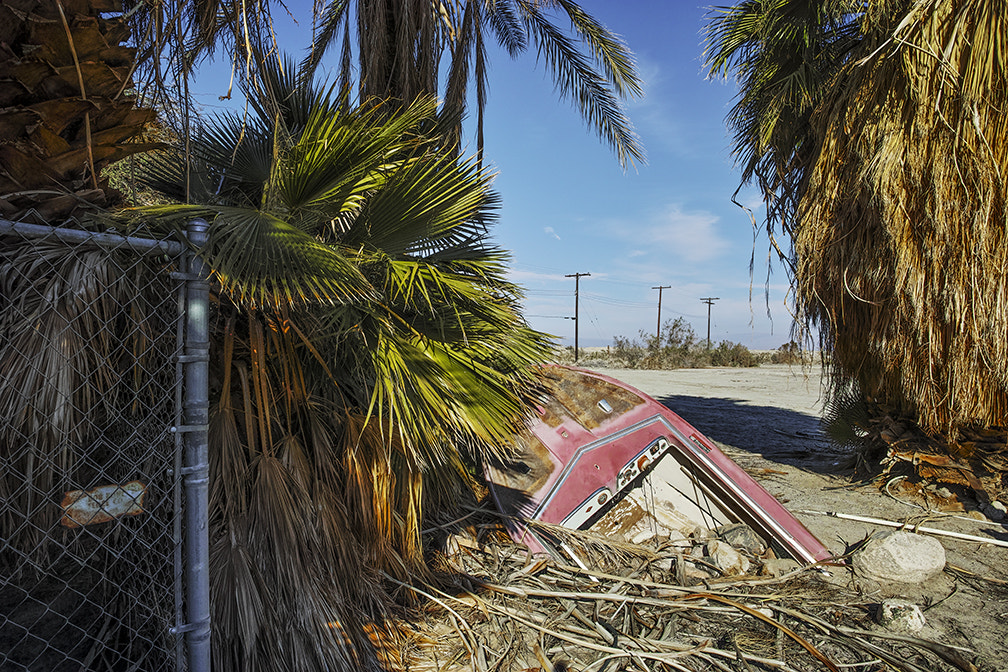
[616, 302]
[593, 318]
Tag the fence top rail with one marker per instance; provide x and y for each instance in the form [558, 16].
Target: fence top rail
[106, 240]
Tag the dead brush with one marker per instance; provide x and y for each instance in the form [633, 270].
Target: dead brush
[620, 607]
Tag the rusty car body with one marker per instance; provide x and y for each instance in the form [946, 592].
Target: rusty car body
[594, 438]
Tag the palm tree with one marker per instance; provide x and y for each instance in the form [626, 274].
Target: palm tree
[367, 353]
[402, 49]
[894, 173]
[68, 109]
[400, 54]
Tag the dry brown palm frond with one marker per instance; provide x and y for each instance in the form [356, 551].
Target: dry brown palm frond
[536, 612]
[287, 578]
[385, 495]
[79, 331]
[902, 244]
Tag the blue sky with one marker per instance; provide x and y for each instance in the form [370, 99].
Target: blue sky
[569, 208]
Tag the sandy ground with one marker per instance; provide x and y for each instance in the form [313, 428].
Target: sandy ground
[768, 420]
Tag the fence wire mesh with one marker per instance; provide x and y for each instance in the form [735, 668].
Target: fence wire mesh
[90, 506]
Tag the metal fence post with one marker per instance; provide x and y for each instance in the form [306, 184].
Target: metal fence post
[196, 417]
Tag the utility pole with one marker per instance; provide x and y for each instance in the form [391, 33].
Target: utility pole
[659, 288]
[709, 300]
[577, 284]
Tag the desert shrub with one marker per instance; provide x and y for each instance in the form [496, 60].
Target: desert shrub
[676, 347]
[733, 354]
[789, 353]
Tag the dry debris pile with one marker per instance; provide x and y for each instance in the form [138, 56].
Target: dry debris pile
[633, 607]
[940, 474]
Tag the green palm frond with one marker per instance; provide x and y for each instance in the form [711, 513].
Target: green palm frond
[338, 160]
[503, 20]
[325, 30]
[785, 54]
[262, 260]
[426, 205]
[609, 51]
[576, 77]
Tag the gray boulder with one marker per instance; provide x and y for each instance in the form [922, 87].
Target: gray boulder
[900, 556]
[901, 616]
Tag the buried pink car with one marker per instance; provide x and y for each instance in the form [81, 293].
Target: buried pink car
[595, 438]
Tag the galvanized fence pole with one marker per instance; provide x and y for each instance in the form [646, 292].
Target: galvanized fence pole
[196, 417]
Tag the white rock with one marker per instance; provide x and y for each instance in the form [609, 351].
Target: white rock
[643, 537]
[900, 556]
[726, 558]
[901, 616]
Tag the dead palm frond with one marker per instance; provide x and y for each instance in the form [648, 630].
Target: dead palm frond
[83, 335]
[903, 221]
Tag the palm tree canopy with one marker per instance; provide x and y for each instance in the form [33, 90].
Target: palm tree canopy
[403, 48]
[400, 55]
[785, 55]
[877, 135]
[359, 211]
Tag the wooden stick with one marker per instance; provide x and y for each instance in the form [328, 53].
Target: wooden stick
[926, 530]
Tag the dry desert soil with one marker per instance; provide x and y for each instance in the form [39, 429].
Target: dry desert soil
[768, 419]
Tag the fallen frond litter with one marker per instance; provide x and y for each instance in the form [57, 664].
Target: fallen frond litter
[496, 607]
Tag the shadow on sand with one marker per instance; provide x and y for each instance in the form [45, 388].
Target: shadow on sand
[780, 435]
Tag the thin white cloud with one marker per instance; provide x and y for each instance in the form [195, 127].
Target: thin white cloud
[527, 277]
[549, 231]
[685, 236]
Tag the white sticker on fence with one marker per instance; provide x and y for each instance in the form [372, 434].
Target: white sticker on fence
[102, 504]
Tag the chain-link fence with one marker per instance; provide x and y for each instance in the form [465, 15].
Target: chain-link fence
[92, 451]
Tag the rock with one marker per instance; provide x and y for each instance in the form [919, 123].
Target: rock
[691, 571]
[643, 537]
[741, 536]
[900, 556]
[700, 534]
[777, 567]
[901, 616]
[727, 559]
[995, 511]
